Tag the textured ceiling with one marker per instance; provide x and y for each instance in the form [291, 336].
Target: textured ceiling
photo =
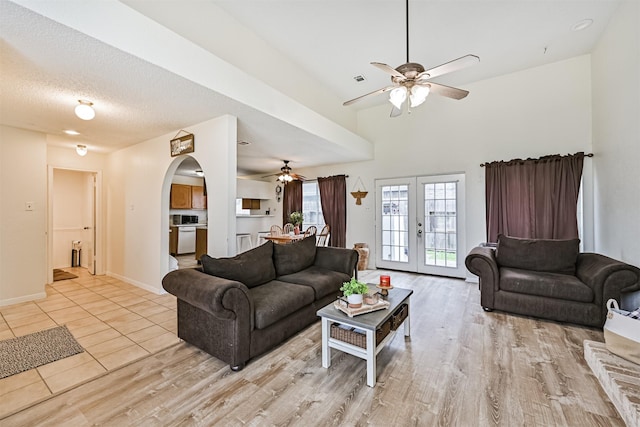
[45, 66]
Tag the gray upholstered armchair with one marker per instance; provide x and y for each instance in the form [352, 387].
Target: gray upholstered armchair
[550, 279]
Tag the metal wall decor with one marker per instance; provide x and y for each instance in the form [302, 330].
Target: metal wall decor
[182, 145]
[360, 193]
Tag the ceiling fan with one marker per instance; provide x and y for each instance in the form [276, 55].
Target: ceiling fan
[285, 176]
[413, 80]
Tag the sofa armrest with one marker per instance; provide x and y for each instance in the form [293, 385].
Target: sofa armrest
[224, 299]
[481, 261]
[607, 277]
[337, 259]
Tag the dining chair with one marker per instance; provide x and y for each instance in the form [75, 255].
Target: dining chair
[310, 231]
[275, 230]
[288, 228]
[323, 237]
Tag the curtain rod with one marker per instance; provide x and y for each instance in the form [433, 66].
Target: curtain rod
[483, 164]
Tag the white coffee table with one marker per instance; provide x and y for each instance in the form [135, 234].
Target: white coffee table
[369, 322]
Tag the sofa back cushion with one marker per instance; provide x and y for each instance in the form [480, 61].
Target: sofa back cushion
[295, 256]
[253, 267]
[558, 256]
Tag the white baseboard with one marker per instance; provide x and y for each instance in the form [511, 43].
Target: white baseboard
[138, 284]
[473, 279]
[25, 298]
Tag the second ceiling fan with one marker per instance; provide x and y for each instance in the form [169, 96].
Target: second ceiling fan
[412, 80]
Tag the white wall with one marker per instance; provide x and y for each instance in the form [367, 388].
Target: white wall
[138, 201]
[23, 177]
[536, 112]
[616, 136]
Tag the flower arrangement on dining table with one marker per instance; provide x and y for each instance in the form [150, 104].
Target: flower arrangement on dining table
[296, 218]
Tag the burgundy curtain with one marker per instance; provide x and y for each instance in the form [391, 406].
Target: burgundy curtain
[291, 200]
[333, 198]
[533, 198]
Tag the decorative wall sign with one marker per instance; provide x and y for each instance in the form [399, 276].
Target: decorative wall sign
[182, 145]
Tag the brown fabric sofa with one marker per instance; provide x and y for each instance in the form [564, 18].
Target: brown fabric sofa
[238, 308]
[550, 279]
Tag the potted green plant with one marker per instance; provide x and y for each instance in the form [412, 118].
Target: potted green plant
[296, 219]
[354, 291]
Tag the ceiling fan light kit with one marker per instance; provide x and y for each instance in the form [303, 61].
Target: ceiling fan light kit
[285, 175]
[413, 80]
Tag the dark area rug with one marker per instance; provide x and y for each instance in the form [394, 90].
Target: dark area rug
[62, 275]
[30, 351]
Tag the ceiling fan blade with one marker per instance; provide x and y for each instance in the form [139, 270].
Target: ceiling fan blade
[455, 65]
[395, 112]
[389, 70]
[448, 91]
[298, 177]
[375, 92]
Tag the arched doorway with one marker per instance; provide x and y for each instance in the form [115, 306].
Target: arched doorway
[187, 214]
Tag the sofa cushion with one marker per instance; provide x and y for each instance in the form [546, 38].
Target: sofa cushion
[295, 256]
[276, 300]
[253, 267]
[544, 284]
[557, 256]
[323, 281]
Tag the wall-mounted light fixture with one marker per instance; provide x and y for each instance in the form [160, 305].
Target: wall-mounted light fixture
[81, 150]
[84, 110]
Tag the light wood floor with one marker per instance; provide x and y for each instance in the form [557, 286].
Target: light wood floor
[460, 367]
[114, 321]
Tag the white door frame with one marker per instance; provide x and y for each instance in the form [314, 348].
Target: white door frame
[98, 252]
[415, 261]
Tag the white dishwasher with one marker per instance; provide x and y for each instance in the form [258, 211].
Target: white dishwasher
[186, 240]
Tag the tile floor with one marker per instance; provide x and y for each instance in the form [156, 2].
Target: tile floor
[114, 321]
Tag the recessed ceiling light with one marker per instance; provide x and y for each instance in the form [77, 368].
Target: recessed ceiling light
[71, 132]
[244, 143]
[581, 25]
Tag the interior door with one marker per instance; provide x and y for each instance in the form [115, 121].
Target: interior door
[420, 224]
[89, 232]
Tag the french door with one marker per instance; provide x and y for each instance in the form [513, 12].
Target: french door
[420, 224]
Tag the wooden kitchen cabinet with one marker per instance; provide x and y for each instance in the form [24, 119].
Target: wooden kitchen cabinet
[250, 203]
[180, 196]
[173, 240]
[201, 242]
[198, 199]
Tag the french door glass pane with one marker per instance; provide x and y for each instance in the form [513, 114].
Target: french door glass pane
[440, 224]
[395, 223]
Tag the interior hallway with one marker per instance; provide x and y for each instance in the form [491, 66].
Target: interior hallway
[115, 322]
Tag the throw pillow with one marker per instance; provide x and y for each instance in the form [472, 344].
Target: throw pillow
[295, 256]
[550, 255]
[253, 267]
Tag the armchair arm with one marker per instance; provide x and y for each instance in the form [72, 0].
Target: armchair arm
[481, 261]
[607, 277]
[337, 259]
[224, 299]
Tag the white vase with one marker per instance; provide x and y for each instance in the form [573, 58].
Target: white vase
[355, 300]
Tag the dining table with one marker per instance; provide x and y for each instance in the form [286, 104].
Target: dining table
[284, 239]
